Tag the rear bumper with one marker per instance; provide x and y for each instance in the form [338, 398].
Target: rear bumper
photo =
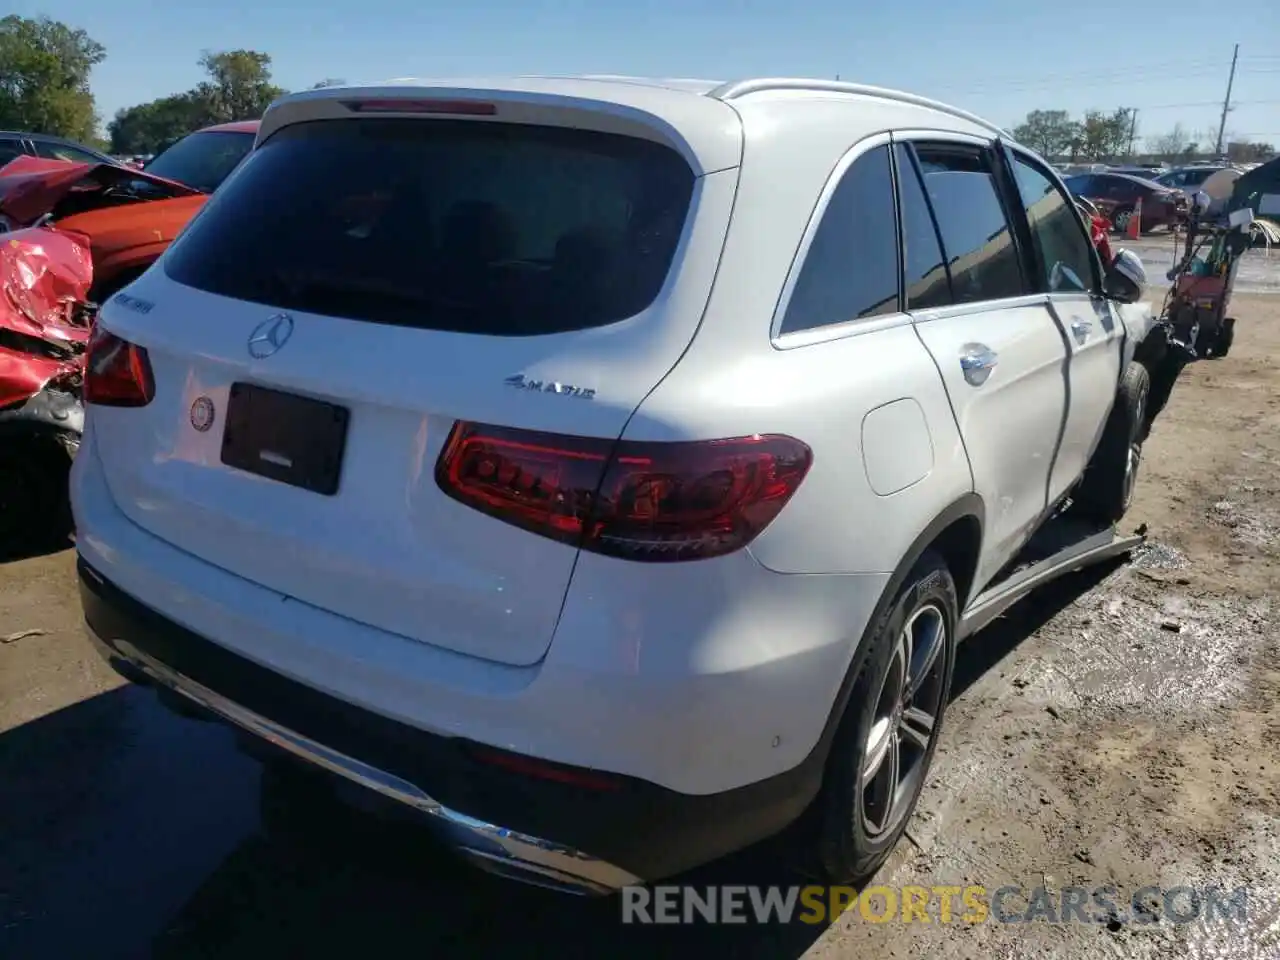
[534, 830]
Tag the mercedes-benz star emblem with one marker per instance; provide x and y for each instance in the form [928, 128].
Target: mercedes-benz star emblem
[270, 335]
[202, 414]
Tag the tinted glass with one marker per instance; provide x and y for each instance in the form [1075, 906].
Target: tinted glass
[10, 149]
[926, 277]
[1193, 178]
[202, 160]
[1080, 185]
[60, 151]
[851, 268]
[1064, 253]
[1117, 188]
[975, 235]
[490, 228]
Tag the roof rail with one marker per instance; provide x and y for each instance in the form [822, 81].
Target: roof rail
[741, 88]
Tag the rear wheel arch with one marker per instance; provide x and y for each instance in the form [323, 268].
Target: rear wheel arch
[955, 534]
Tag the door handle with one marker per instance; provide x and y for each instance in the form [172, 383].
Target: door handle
[1080, 329]
[977, 360]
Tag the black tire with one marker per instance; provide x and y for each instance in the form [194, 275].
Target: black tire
[1226, 336]
[857, 828]
[34, 512]
[1106, 490]
[1120, 219]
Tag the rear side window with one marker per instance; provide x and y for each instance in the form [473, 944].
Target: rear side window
[927, 283]
[477, 227]
[851, 268]
[975, 234]
[60, 151]
[1064, 252]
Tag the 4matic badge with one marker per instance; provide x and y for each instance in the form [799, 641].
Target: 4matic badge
[521, 382]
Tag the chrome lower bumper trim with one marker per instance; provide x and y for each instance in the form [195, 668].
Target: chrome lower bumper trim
[491, 847]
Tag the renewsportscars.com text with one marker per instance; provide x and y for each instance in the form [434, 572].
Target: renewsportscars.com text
[936, 904]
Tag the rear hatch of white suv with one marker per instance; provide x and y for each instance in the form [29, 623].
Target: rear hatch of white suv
[503, 273]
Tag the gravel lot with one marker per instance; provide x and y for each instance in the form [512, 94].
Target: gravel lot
[1120, 727]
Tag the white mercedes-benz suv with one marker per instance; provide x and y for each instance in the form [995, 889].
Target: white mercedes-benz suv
[604, 468]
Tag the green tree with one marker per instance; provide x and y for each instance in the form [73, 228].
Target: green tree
[239, 85]
[1104, 136]
[44, 77]
[149, 127]
[1048, 132]
[239, 88]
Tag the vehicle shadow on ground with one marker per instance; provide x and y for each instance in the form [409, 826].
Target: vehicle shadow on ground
[373, 886]
[364, 886]
[49, 540]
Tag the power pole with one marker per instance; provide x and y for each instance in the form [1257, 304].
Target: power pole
[1133, 127]
[1226, 103]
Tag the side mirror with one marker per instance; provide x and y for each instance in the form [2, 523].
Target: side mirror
[1126, 278]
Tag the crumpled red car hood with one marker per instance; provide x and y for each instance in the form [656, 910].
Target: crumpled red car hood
[45, 275]
[32, 186]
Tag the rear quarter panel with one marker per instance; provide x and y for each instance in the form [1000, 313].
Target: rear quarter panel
[736, 380]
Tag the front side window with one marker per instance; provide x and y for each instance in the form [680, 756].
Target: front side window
[1081, 186]
[976, 238]
[498, 229]
[850, 271]
[1064, 253]
[1117, 188]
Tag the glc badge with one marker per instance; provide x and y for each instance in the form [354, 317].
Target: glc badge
[202, 414]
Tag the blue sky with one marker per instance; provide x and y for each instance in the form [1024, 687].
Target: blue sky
[999, 58]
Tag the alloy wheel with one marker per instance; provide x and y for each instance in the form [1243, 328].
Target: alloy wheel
[905, 721]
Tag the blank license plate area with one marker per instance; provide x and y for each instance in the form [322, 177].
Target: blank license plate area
[285, 437]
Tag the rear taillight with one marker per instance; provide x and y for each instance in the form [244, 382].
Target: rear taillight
[117, 372]
[637, 500]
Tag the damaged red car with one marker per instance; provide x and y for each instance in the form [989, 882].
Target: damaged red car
[45, 323]
[128, 216]
[72, 235]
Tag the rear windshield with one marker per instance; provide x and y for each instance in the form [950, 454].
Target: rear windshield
[479, 227]
[202, 160]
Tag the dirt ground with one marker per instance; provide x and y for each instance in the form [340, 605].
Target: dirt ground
[1118, 728]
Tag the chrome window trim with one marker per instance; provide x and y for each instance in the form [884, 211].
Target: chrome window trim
[840, 331]
[979, 306]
